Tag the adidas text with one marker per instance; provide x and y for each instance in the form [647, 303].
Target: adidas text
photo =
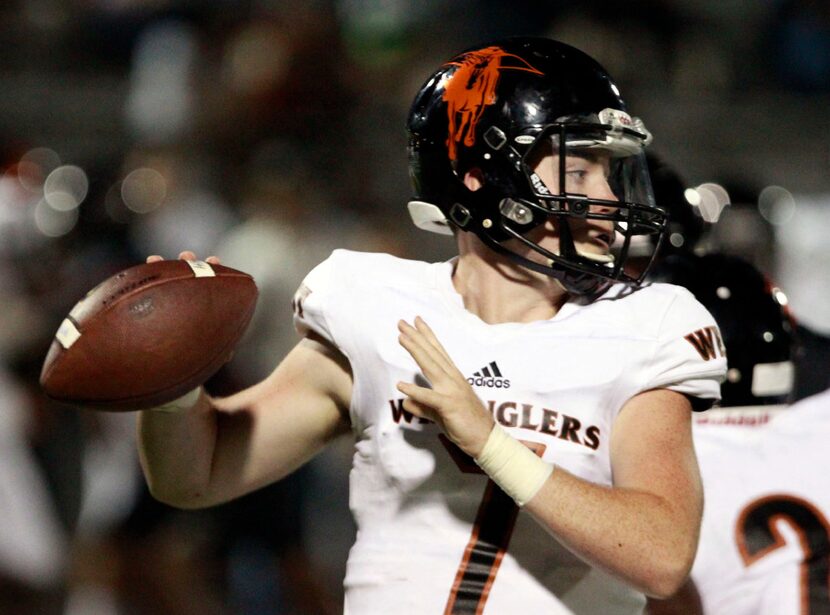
[489, 376]
[492, 383]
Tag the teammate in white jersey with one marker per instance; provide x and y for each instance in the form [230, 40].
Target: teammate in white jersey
[522, 413]
[765, 536]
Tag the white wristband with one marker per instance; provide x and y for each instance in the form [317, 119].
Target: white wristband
[185, 402]
[514, 467]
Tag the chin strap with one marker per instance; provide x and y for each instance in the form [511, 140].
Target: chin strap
[574, 282]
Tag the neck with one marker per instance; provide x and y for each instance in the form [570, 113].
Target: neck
[497, 290]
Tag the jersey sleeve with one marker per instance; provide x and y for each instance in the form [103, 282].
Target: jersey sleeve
[690, 356]
[312, 300]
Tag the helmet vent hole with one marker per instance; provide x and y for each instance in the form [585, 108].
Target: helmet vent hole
[495, 138]
[460, 215]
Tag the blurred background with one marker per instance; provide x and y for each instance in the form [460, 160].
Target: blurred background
[269, 133]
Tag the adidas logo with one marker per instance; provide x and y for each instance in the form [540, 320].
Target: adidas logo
[489, 376]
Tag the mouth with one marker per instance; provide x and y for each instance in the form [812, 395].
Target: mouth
[602, 238]
[598, 241]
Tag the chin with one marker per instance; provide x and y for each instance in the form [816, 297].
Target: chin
[591, 250]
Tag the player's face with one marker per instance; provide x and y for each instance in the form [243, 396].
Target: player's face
[586, 173]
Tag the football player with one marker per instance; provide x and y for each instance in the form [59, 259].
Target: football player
[765, 536]
[521, 413]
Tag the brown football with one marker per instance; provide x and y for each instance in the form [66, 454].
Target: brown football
[148, 335]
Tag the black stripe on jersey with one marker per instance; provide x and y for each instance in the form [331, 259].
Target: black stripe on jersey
[486, 372]
[496, 371]
[494, 523]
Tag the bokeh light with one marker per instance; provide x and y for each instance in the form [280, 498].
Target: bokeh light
[692, 196]
[52, 222]
[780, 296]
[143, 190]
[713, 200]
[35, 166]
[777, 205]
[66, 187]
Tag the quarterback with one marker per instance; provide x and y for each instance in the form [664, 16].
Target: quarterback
[521, 414]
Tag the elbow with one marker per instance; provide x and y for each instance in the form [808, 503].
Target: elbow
[183, 499]
[674, 557]
[666, 586]
[183, 492]
[669, 576]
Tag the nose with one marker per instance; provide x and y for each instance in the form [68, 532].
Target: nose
[597, 208]
[605, 193]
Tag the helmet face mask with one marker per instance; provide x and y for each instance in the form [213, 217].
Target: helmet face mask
[547, 107]
[594, 176]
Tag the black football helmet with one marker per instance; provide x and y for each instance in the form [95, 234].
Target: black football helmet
[757, 328]
[502, 105]
[686, 226]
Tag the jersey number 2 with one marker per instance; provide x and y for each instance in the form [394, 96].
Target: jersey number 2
[488, 542]
[757, 536]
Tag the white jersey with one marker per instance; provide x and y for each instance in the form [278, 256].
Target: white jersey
[765, 539]
[434, 535]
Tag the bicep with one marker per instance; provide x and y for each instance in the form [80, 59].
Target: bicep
[270, 429]
[652, 451]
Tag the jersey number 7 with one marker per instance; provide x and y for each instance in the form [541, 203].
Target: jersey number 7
[488, 542]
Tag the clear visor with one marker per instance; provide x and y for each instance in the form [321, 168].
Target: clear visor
[588, 163]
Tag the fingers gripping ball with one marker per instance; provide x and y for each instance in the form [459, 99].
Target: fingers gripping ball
[148, 335]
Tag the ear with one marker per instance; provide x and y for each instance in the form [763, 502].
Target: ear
[474, 179]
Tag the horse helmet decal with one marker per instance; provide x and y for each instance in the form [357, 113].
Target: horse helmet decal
[471, 88]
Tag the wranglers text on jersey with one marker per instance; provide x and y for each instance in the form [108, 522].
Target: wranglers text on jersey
[522, 416]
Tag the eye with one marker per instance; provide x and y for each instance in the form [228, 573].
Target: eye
[576, 177]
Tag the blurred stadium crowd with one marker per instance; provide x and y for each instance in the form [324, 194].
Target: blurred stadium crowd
[269, 132]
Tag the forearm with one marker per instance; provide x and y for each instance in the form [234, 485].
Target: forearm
[220, 448]
[176, 452]
[635, 535]
[223, 448]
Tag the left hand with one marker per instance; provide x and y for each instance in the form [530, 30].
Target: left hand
[451, 402]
